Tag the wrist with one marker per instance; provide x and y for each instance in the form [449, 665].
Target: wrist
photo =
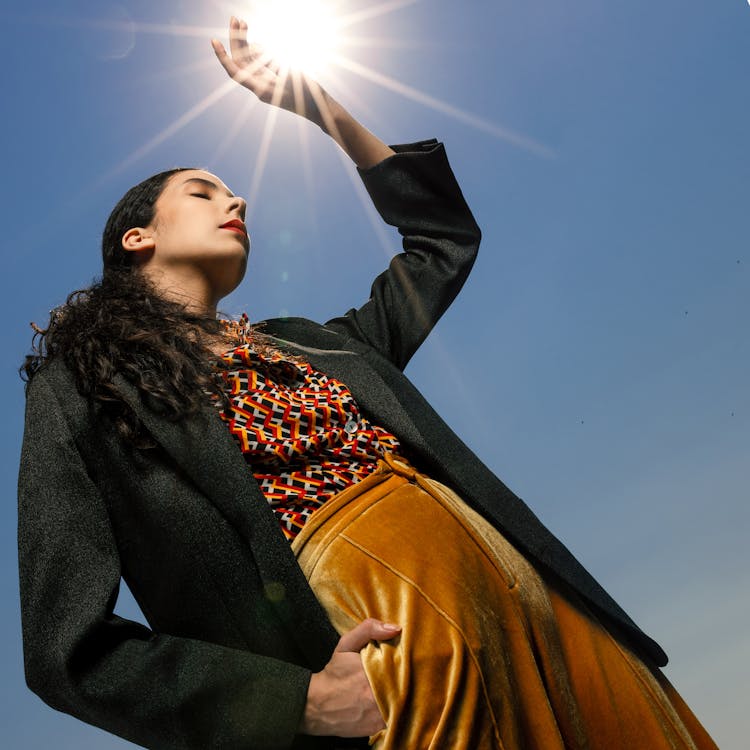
[310, 722]
[330, 114]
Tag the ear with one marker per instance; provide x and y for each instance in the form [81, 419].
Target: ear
[138, 240]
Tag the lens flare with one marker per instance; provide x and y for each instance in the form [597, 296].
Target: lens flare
[299, 34]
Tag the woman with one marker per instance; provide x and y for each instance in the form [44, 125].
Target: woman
[313, 585]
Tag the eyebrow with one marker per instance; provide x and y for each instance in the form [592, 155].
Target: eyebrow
[207, 183]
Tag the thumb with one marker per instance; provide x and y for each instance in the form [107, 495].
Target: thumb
[367, 630]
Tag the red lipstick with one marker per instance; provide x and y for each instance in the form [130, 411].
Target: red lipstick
[235, 225]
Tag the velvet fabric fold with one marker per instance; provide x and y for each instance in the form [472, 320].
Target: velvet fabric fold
[491, 655]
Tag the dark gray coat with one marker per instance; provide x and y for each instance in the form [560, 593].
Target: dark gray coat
[235, 630]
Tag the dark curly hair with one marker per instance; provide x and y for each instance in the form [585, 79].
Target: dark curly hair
[120, 324]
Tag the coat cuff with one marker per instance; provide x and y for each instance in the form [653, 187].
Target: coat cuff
[415, 189]
[418, 147]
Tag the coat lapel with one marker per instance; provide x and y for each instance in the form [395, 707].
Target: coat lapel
[353, 363]
[370, 391]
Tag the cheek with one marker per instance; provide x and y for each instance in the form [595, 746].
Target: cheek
[168, 230]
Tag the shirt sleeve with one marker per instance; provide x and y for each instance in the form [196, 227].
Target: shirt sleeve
[414, 190]
[156, 690]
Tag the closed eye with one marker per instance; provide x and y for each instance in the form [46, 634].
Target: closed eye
[201, 195]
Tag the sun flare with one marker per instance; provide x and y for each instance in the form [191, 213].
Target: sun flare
[299, 34]
[317, 37]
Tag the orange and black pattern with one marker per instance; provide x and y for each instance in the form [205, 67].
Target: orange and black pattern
[301, 432]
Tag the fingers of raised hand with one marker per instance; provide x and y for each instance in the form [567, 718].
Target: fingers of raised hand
[244, 51]
[250, 70]
[226, 62]
[238, 38]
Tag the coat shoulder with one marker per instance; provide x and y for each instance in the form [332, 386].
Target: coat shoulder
[55, 374]
[53, 390]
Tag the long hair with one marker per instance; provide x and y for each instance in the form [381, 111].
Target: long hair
[120, 324]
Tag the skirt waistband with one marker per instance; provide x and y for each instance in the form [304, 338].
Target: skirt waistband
[392, 469]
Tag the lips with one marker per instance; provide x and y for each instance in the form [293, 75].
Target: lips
[235, 225]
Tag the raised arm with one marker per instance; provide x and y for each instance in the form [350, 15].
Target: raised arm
[251, 67]
[416, 192]
[413, 188]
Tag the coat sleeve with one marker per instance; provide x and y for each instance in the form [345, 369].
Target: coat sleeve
[151, 688]
[414, 190]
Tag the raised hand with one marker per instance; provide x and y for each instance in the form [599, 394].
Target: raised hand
[253, 68]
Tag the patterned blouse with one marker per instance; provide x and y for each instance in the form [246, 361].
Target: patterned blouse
[301, 431]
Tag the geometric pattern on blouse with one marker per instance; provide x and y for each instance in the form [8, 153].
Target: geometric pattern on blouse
[301, 431]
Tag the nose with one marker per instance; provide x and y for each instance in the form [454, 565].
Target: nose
[238, 204]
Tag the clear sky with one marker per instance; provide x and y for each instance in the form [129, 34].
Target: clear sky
[604, 149]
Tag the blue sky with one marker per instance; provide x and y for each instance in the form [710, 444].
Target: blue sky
[604, 150]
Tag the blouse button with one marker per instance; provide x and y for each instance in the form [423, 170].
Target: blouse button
[351, 426]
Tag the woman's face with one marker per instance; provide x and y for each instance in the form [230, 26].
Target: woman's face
[196, 238]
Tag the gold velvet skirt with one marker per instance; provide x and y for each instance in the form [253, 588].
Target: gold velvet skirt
[490, 655]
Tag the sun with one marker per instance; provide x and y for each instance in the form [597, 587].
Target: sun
[299, 34]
